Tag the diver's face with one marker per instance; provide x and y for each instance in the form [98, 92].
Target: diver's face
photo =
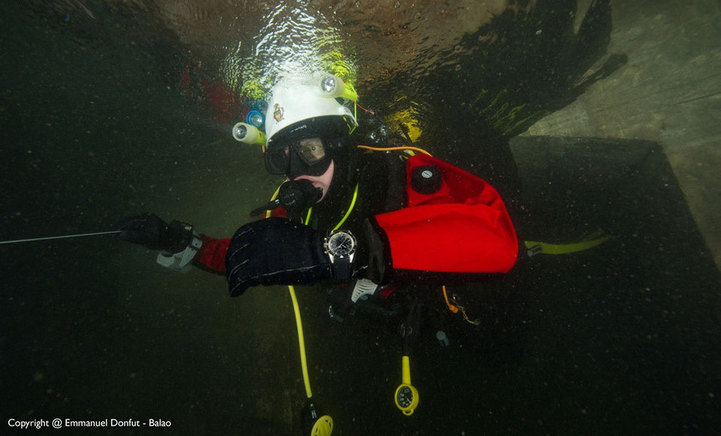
[299, 156]
[323, 181]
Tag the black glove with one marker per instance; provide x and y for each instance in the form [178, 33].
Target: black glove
[275, 251]
[149, 230]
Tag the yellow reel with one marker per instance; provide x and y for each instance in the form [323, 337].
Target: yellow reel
[323, 426]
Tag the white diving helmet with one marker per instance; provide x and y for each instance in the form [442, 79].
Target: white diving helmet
[302, 108]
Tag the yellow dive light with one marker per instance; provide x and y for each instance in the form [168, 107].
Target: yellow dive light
[248, 134]
[333, 87]
[406, 395]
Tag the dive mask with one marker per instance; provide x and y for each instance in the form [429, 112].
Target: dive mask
[302, 156]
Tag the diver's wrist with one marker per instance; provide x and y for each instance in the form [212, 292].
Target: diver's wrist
[340, 248]
[179, 260]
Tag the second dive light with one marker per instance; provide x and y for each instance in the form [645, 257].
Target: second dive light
[248, 134]
[255, 118]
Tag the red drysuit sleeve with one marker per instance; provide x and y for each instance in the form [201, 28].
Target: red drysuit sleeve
[462, 228]
[212, 254]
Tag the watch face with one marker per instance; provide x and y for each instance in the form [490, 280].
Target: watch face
[341, 244]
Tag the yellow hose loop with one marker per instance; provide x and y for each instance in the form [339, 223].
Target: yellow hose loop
[347, 213]
[350, 209]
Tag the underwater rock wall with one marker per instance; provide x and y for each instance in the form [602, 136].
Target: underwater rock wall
[668, 93]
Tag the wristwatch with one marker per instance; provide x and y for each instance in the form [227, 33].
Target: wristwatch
[340, 246]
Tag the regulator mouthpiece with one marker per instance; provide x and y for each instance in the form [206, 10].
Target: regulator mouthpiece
[295, 196]
[248, 134]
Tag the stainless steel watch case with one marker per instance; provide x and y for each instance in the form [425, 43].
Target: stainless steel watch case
[329, 246]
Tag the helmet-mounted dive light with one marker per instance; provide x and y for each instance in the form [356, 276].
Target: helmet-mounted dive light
[333, 87]
[255, 118]
[248, 134]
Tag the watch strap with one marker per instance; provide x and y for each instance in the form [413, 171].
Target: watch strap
[342, 268]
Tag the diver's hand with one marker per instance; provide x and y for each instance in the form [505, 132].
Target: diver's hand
[154, 233]
[275, 251]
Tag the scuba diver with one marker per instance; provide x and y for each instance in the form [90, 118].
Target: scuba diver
[375, 220]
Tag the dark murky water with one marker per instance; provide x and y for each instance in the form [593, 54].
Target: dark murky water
[96, 122]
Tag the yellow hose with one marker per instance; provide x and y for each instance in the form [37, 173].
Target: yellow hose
[301, 341]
